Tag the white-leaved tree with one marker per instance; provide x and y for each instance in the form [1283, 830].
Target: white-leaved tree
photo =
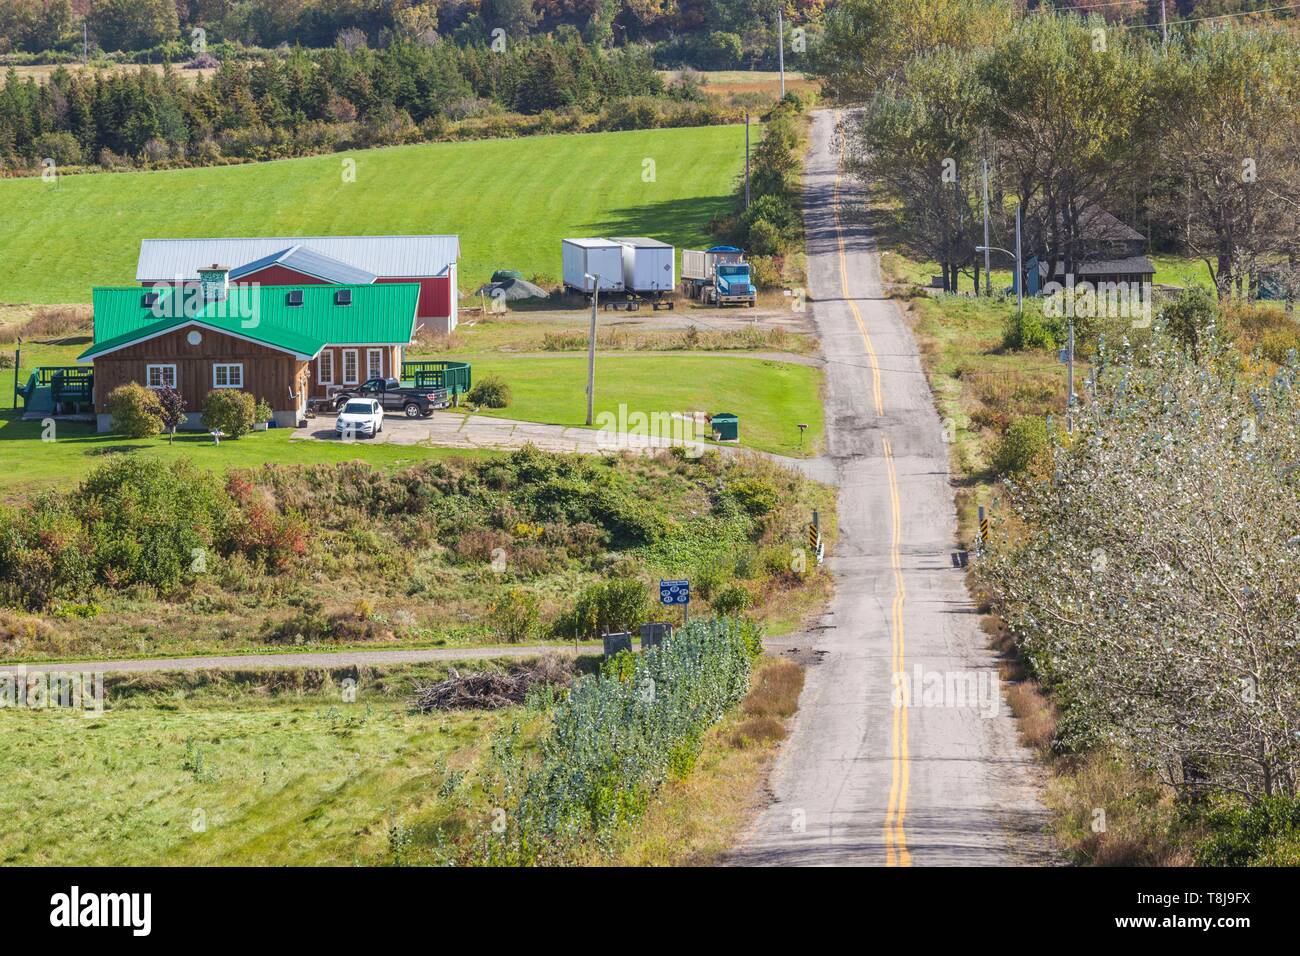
[1153, 579]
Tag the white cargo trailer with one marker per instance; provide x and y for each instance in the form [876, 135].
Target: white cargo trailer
[597, 257]
[648, 266]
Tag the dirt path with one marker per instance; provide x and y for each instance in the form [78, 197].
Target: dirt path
[244, 662]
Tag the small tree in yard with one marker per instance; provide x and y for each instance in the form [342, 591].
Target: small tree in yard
[229, 411]
[1155, 585]
[172, 414]
[492, 391]
[136, 410]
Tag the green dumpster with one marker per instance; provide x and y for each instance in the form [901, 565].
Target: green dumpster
[725, 426]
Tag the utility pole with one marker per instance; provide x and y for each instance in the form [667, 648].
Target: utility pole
[988, 283]
[1069, 376]
[746, 159]
[591, 350]
[85, 44]
[1020, 268]
[780, 44]
[1164, 26]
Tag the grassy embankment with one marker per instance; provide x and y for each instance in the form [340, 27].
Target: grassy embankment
[421, 555]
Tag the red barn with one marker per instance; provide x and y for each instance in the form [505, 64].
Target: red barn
[429, 261]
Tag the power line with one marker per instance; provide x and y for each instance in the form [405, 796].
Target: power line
[1220, 16]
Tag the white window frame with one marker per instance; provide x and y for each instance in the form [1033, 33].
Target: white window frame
[162, 377]
[227, 366]
[326, 360]
[371, 354]
[356, 367]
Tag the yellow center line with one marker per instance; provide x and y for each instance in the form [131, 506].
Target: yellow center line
[844, 290]
[902, 766]
[896, 853]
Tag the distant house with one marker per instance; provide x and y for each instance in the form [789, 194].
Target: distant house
[279, 343]
[1105, 250]
[430, 261]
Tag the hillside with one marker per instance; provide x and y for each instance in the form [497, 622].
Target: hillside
[511, 201]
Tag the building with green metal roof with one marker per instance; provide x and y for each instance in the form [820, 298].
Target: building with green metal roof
[280, 343]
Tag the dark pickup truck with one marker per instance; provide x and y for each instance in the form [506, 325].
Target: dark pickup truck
[415, 402]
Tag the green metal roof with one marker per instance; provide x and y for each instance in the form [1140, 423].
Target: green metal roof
[380, 314]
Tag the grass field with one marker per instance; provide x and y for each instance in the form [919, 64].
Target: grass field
[510, 201]
[771, 398]
[255, 769]
[275, 779]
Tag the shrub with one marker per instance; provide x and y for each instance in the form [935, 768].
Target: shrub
[1023, 447]
[515, 616]
[619, 604]
[731, 601]
[1266, 832]
[1190, 317]
[492, 391]
[63, 148]
[764, 273]
[1025, 330]
[136, 410]
[131, 522]
[612, 744]
[764, 238]
[755, 496]
[229, 411]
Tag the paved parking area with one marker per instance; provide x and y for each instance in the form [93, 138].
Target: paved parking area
[456, 430]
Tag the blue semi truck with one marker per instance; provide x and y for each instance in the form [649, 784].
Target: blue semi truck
[718, 275]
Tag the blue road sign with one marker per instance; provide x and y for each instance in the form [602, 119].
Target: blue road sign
[675, 592]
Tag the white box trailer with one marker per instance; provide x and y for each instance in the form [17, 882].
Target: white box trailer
[648, 266]
[597, 257]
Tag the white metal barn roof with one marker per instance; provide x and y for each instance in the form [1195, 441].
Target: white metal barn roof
[162, 260]
[312, 263]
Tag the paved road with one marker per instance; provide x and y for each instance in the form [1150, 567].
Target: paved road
[861, 781]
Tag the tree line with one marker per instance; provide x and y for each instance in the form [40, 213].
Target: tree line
[727, 31]
[311, 101]
[1193, 141]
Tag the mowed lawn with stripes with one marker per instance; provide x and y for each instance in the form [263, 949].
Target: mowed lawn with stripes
[511, 201]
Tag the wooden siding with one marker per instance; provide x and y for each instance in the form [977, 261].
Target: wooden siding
[391, 358]
[268, 373]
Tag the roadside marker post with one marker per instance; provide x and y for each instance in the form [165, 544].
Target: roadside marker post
[983, 537]
[815, 543]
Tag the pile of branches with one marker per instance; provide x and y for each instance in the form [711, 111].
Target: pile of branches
[491, 689]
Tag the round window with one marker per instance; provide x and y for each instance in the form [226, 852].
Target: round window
[195, 337]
